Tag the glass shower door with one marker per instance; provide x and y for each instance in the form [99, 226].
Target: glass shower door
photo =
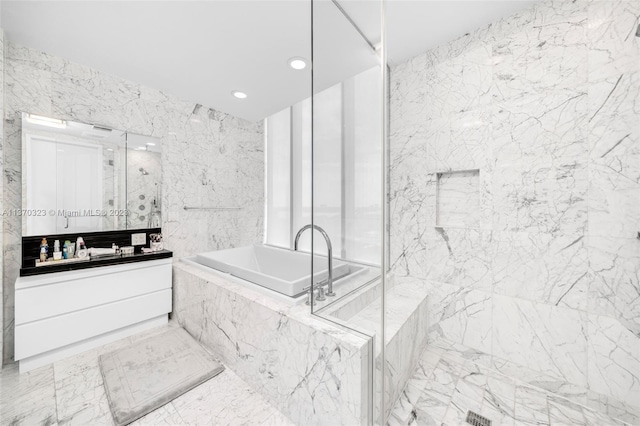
[347, 163]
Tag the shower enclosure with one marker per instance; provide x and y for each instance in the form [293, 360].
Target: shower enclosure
[348, 159]
[490, 185]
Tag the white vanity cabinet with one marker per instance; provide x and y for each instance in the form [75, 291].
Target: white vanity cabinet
[60, 314]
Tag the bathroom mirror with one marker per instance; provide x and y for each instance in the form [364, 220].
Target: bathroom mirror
[144, 182]
[80, 178]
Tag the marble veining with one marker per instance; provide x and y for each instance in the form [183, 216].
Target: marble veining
[444, 386]
[544, 285]
[2, 204]
[312, 371]
[213, 160]
[71, 391]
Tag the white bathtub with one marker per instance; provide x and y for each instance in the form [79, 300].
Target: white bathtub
[284, 271]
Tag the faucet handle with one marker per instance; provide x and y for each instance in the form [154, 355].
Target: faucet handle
[322, 284]
[320, 297]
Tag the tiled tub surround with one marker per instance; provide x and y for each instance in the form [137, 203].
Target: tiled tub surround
[309, 369]
[217, 161]
[544, 285]
[405, 331]
[359, 310]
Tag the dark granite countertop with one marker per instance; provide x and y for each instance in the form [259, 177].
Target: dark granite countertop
[95, 263]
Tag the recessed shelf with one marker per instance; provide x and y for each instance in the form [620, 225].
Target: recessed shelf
[458, 199]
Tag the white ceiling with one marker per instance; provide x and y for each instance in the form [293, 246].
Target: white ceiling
[415, 26]
[203, 50]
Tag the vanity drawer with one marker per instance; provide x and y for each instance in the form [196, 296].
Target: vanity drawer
[68, 292]
[41, 336]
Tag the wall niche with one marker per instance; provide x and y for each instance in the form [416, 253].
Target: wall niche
[458, 199]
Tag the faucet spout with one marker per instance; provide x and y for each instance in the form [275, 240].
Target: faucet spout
[329, 254]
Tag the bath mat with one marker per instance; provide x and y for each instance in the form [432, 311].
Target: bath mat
[150, 373]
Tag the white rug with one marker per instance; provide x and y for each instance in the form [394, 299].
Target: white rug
[150, 373]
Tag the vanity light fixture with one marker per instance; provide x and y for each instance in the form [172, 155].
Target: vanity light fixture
[297, 63]
[238, 94]
[46, 121]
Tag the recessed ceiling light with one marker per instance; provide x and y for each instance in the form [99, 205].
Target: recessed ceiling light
[297, 63]
[238, 94]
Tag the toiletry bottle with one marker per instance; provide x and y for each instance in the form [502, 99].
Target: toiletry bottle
[57, 254]
[71, 249]
[65, 251]
[81, 249]
[44, 250]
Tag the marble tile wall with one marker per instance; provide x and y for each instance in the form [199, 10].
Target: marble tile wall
[546, 105]
[213, 160]
[2, 44]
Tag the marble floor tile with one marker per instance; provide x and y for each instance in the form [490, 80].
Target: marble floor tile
[423, 371]
[457, 386]
[405, 407]
[226, 400]
[79, 402]
[531, 406]
[71, 392]
[474, 394]
[593, 418]
[27, 398]
[167, 415]
[472, 373]
[443, 379]
[276, 419]
[431, 407]
[498, 418]
[614, 408]
[423, 418]
[499, 400]
[565, 412]
[36, 407]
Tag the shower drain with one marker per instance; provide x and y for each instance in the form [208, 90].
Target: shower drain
[476, 419]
